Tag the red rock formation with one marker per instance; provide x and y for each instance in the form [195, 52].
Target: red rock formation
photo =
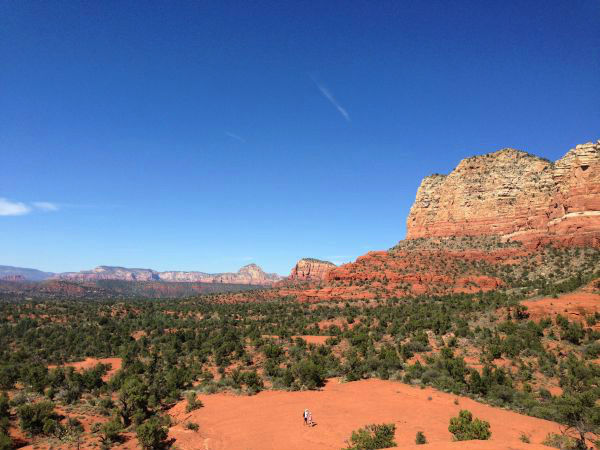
[461, 229]
[311, 269]
[515, 195]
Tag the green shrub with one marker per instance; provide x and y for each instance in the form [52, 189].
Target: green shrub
[192, 402]
[8, 377]
[192, 426]
[110, 432]
[309, 374]
[38, 418]
[4, 413]
[5, 441]
[74, 425]
[464, 428]
[420, 438]
[133, 400]
[373, 437]
[152, 435]
[19, 399]
[560, 441]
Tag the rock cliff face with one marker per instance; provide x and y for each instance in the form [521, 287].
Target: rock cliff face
[515, 195]
[311, 269]
[250, 274]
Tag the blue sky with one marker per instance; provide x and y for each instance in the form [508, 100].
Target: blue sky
[206, 135]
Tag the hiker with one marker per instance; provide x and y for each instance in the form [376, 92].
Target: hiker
[305, 416]
[309, 420]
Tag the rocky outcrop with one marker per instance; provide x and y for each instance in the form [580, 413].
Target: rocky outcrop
[516, 195]
[311, 269]
[250, 274]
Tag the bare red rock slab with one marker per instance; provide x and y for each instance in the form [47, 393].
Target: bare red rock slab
[273, 419]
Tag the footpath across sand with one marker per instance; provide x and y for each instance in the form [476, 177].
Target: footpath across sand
[272, 420]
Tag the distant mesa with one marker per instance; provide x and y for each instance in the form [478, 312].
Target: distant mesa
[513, 194]
[250, 274]
[109, 273]
[311, 269]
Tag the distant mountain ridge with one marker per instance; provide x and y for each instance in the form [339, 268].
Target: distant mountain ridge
[250, 274]
[10, 273]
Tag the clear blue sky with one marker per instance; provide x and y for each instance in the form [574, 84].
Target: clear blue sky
[205, 135]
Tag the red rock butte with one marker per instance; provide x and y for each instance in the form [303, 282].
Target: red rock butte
[515, 195]
[311, 269]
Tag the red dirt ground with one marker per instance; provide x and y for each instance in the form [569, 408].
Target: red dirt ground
[317, 340]
[573, 306]
[272, 419]
[88, 363]
[309, 339]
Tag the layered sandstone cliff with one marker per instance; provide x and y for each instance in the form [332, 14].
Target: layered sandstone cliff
[311, 269]
[516, 195]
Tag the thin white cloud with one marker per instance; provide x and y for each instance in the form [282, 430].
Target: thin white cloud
[329, 96]
[8, 208]
[235, 136]
[46, 206]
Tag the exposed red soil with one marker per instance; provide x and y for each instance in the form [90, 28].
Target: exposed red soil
[574, 306]
[89, 363]
[137, 335]
[338, 322]
[317, 340]
[272, 419]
